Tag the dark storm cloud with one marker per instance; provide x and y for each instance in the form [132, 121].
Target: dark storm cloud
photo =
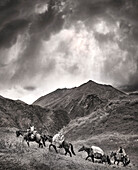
[109, 9]
[10, 31]
[45, 24]
[121, 15]
[14, 9]
[73, 69]
[16, 15]
[104, 38]
[38, 25]
[68, 37]
[11, 22]
[30, 88]
[30, 63]
[90, 10]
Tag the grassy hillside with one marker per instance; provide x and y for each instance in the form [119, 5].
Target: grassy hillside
[117, 116]
[91, 114]
[60, 107]
[19, 114]
[15, 155]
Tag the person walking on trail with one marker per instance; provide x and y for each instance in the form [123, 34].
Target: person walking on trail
[58, 139]
[121, 152]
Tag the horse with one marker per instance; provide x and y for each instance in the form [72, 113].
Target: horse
[37, 138]
[120, 158]
[66, 145]
[95, 154]
[48, 137]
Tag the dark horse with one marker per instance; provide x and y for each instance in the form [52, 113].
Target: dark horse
[37, 138]
[120, 158]
[66, 145]
[92, 155]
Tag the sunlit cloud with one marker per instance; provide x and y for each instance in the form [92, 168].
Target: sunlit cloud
[41, 8]
[101, 27]
[64, 44]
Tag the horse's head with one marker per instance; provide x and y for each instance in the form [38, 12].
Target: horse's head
[48, 137]
[112, 154]
[44, 137]
[81, 149]
[18, 133]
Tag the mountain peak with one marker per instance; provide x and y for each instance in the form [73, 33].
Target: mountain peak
[91, 82]
[62, 97]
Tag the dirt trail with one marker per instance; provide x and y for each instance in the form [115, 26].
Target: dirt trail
[15, 155]
[35, 158]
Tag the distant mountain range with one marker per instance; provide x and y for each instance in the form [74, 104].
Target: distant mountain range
[87, 109]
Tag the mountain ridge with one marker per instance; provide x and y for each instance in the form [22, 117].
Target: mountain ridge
[66, 91]
[66, 105]
[79, 101]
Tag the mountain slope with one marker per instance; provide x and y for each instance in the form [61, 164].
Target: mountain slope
[118, 116]
[19, 114]
[79, 101]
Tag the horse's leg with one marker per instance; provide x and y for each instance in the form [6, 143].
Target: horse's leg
[67, 150]
[40, 145]
[53, 147]
[114, 161]
[92, 157]
[72, 150]
[87, 157]
[124, 161]
[108, 160]
[43, 140]
[22, 140]
[28, 143]
[50, 146]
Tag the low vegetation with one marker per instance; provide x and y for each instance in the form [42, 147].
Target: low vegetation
[16, 155]
[91, 114]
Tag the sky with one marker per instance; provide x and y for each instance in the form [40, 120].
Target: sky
[51, 44]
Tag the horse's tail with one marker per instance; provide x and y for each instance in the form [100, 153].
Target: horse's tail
[72, 150]
[43, 140]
